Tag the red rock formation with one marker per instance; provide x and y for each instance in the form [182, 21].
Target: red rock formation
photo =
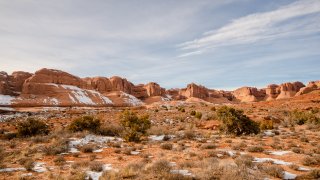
[139, 91]
[288, 89]
[55, 76]
[101, 84]
[4, 84]
[154, 89]
[249, 94]
[121, 84]
[18, 78]
[313, 85]
[272, 91]
[194, 90]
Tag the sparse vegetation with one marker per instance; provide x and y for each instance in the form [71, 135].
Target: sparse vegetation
[235, 122]
[88, 123]
[32, 127]
[134, 127]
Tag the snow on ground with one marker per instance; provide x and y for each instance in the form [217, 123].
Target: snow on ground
[97, 94]
[182, 172]
[279, 153]
[159, 137]
[99, 140]
[288, 175]
[269, 133]
[79, 94]
[39, 167]
[12, 169]
[303, 169]
[6, 109]
[96, 175]
[275, 161]
[128, 98]
[6, 99]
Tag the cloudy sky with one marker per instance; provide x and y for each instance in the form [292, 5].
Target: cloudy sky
[222, 44]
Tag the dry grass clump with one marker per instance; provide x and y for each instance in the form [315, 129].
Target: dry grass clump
[27, 163]
[244, 160]
[87, 148]
[272, 170]
[96, 166]
[313, 174]
[239, 146]
[208, 146]
[59, 161]
[297, 150]
[255, 149]
[311, 161]
[189, 134]
[77, 175]
[167, 146]
[57, 147]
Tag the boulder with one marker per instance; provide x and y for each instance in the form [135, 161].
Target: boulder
[313, 85]
[139, 91]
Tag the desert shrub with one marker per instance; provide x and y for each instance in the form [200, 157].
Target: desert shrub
[311, 161]
[192, 113]
[208, 146]
[58, 147]
[9, 135]
[88, 123]
[313, 174]
[87, 148]
[167, 146]
[300, 117]
[272, 170]
[59, 161]
[27, 163]
[96, 166]
[198, 115]
[110, 130]
[266, 124]
[134, 127]
[255, 149]
[244, 160]
[77, 175]
[235, 122]
[40, 139]
[189, 134]
[239, 146]
[160, 167]
[297, 150]
[32, 127]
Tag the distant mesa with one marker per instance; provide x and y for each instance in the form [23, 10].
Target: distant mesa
[50, 87]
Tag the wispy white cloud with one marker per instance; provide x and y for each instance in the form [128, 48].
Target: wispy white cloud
[260, 26]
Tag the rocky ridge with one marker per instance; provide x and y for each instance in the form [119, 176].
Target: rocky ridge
[49, 87]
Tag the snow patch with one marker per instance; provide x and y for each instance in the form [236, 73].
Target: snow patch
[303, 169]
[275, 161]
[160, 137]
[39, 167]
[288, 175]
[96, 175]
[6, 99]
[81, 95]
[182, 172]
[128, 98]
[100, 140]
[6, 109]
[12, 169]
[279, 153]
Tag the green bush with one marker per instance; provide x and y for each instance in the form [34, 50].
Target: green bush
[266, 124]
[32, 127]
[198, 115]
[88, 123]
[235, 122]
[300, 118]
[134, 127]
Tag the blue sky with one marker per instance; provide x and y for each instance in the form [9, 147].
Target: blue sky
[220, 44]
